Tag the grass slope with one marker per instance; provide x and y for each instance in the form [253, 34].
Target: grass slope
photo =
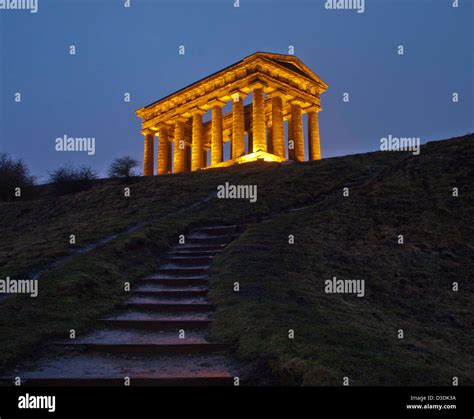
[408, 286]
[281, 285]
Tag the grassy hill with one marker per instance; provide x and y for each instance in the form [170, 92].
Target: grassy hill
[408, 286]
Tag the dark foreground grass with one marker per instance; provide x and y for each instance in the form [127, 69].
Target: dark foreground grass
[281, 286]
[75, 294]
[408, 286]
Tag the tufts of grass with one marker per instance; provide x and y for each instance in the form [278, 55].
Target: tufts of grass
[408, 287]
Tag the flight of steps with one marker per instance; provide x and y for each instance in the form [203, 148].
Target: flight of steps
[143, 342]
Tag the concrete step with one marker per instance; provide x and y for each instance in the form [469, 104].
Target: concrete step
[170, 307]
[157, 321]
[132, 341]
[151, 287]
[182, 271]
[206, 241]
[168, 347]
[158, 324]
[150, 299]
[113, 336]
[187, 266]
[175, 281]
[188, 260]
[95, 368]
[192, 253]
[171, 293]
[197, 247]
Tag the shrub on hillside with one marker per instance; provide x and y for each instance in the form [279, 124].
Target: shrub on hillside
[15, 179]
[68, 179]
[123, 167]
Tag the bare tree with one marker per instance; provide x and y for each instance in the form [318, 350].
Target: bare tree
[14, 178]
[68, 179]
[123, 167]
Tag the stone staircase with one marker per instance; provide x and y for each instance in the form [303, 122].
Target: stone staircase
[145, 341]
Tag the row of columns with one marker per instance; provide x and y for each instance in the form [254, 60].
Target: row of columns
[257, 137]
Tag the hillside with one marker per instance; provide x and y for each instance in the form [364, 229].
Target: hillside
[408, 286]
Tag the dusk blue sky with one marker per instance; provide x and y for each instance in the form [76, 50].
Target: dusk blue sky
[135, 50]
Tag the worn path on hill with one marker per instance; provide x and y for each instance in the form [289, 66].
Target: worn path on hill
[160, 337]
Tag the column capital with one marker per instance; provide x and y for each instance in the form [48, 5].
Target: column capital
[256, 83]
[236, 95]
[277, 93]
[297, 101]
[178, 118]
[197, 111]
[312, 108]
[147, 131]
[216, 102]
[159, 127]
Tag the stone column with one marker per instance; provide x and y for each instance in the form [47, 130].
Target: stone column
[216, 134]
[170, 156]
[179, 146]
[148, 146]
[250, 141]
[163, 152]
[297, 127]
[187, 159]
[313, 135]
[196, 162]
[204, 157]
[270, 139]
[291, 148]
[278, 129]
[238, 133]
[258, 120]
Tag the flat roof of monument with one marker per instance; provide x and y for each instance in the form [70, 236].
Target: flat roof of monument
[286, 64]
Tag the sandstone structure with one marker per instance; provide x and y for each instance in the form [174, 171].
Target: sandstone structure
[281, 88]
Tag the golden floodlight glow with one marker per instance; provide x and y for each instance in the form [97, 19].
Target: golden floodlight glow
[247, 158]
[282, 88]
[259, 155]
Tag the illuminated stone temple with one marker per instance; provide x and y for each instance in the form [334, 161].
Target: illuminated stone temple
[279, 88]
